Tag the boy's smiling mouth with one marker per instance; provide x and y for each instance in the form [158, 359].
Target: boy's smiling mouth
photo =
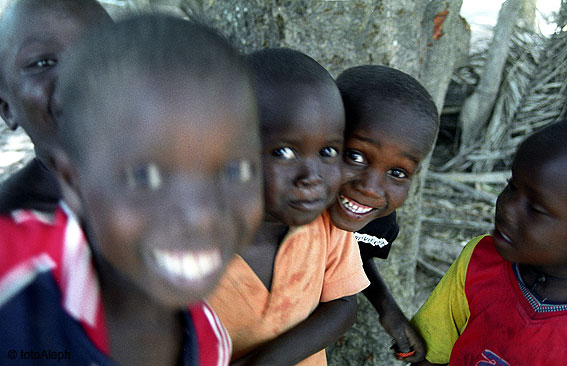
[187, 266]
[353, 206]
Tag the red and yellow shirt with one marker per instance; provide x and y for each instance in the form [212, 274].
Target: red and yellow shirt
[481, 313]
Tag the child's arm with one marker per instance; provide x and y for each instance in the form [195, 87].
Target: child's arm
[391, 316]
[323, 327]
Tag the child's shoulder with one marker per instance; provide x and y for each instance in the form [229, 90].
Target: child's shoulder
[324, 228]
[31, 187]
[27, 235]
[470, 247]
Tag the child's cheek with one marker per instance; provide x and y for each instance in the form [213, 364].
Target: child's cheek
[126, 224]
[335, 179]
[348, 173]
[248, 215]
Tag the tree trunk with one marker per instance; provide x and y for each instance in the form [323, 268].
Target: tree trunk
[528, 16]
[422, 38]
[478, 107]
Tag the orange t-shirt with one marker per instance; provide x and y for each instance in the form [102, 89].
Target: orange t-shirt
[314, 263]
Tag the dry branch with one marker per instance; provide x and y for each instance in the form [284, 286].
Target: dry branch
[479, 195]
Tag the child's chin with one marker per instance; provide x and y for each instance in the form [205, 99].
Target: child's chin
[303, 219]
[178, 297]
[354, 225]
[347, 223]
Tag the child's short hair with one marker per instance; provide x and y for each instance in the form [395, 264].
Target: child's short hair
[158, 48]
[363, 86]
[274, 66]
[283, 69]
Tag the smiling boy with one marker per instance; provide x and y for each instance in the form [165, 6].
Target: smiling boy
[391, 125]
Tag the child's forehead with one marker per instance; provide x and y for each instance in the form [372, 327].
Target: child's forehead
[395, 122]
[23, 24]
[540, 150]
[166, 106]
[287, 106]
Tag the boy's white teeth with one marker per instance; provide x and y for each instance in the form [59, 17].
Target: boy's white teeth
[188, 265]
[355, 207]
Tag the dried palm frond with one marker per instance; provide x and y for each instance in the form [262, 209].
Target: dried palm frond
[533, 94]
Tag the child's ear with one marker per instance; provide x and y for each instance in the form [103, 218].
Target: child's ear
[7, 115]
[68, 178]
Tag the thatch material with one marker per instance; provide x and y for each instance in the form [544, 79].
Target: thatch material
[533, 94]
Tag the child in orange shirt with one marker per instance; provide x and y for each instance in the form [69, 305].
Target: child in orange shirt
[290, 294]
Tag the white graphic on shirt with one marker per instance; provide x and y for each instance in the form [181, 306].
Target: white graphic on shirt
[372, 240]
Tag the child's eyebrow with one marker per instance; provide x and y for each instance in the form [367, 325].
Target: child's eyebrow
[405, 154]
[297, 140]
[339, 141]
[31, 42]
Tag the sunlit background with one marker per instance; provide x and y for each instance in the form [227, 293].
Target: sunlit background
[482, 15]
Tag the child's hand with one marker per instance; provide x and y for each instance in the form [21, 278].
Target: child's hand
[407, 343]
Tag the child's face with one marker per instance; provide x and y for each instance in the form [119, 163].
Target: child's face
[383, 154]
[170, 198]
[531, 212]
[302, 154]
[34, 40]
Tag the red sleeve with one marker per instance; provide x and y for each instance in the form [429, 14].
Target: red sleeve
[26, 234]
[213, 340]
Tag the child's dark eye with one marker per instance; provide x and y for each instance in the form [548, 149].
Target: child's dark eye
[329, 152]
[42, 63]
[354, 157]
[536, 209]
[240, 171]
[398, 173]
[146, 177]
[285, 153]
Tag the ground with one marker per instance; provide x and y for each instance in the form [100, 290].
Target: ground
[15, 150]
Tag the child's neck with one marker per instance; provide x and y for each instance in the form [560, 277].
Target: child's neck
[550, 288]
[140, 330]
[271, 231]
[261, 254]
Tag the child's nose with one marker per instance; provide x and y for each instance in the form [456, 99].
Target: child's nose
[309, 174]
[506, 206]
[200, 207]
[55, 102]
[371, 184]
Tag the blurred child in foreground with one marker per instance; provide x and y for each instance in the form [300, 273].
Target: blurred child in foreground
[158, 159]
